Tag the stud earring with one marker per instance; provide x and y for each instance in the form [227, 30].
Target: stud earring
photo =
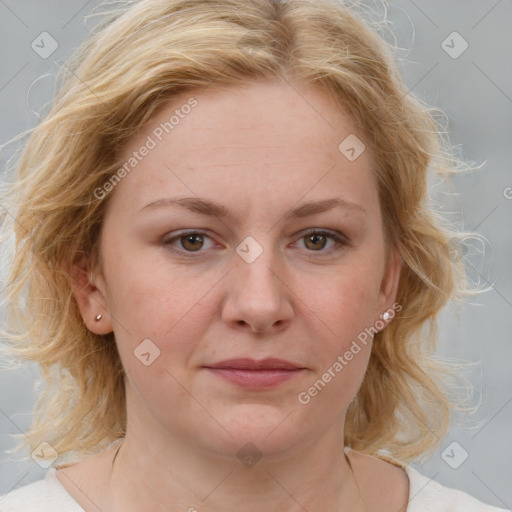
[98, 317]
[386, 316]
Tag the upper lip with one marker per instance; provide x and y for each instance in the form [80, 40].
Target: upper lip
[253, 364]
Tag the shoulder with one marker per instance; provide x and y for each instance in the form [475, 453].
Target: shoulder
[407, 489]
[46, 495]
[425, 494]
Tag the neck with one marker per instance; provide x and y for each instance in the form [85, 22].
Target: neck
[318, 477]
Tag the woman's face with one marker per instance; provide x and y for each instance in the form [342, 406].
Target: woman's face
[250, 283]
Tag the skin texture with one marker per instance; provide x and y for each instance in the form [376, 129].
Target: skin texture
[259, 150]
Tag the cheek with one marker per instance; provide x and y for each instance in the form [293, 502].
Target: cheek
[152, 300]
[145, 290]
[345, 308]
[346, 303]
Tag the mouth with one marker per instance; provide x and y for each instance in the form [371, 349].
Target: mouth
[253, 364]
[252, 374]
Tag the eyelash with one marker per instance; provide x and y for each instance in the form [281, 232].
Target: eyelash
[341, 241]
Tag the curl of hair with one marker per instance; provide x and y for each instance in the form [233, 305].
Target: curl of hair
[132, 63]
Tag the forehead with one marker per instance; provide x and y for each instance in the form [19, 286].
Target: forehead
[257, 138]
[269, 113]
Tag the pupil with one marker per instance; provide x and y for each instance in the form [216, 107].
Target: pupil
[191, 239]
[315, 238]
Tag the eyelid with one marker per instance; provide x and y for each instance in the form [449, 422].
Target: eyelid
[167, 242]
[340, 239]
[324, 231]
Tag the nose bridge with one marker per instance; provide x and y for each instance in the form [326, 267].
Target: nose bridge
[256, 263]
[257, 295]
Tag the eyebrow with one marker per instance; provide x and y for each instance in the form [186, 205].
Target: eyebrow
[206, 207]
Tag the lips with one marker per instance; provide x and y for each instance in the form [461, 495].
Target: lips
[255, 375]
[252, 364]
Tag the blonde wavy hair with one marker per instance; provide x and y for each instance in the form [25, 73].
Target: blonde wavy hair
[134, 61]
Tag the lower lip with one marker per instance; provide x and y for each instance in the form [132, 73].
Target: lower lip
[255, 379]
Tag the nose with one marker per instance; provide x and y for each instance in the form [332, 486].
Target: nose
[258, 298]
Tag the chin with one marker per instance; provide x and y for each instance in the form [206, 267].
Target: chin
[255, 432]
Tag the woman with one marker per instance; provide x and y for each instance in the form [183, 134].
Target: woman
[224, 238]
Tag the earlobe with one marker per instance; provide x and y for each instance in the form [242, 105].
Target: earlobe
[90, 298]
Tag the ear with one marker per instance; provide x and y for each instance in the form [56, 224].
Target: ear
[389, 284]
[89, 292]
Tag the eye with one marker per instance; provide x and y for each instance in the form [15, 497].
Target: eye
[316, 240]
[190, 242]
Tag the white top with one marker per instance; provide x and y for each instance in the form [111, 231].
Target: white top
[425, 495]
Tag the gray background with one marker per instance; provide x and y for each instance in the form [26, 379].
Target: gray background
[475, 92]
